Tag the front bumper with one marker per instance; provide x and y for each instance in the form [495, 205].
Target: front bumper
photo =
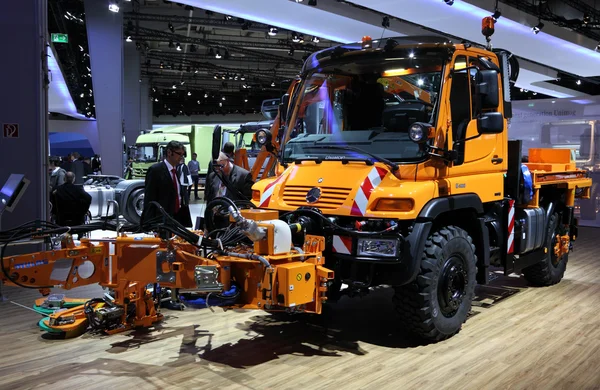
[403, 268]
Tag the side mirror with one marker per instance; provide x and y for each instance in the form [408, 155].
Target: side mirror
[487, 88]
[490, 123]
[283, 107]
[216, 142]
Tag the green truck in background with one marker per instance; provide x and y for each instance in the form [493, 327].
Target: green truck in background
[149, 148]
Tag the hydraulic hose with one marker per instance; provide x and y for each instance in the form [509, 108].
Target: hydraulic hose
[264, 261]
[351, 232]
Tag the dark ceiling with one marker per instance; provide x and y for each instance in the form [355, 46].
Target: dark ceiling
[200, 62]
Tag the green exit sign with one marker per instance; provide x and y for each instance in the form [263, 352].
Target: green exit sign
[60, 38]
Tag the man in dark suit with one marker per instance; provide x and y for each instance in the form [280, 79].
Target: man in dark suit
[163, 186]
[70, 202]
[240, 181]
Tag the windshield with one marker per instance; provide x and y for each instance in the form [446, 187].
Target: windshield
[146, 153]
[367, 104]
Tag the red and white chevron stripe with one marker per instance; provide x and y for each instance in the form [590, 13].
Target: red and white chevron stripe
[361, 200]
[265, 197]
[510, 245]
[342, 245]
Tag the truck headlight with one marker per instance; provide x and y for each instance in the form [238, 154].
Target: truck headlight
[378, 247]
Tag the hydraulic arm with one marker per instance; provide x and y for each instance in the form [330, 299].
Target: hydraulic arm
[264, 269]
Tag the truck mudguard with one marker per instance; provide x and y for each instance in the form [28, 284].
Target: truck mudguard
[437, 206]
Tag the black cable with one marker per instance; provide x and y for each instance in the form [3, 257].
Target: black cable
[334, 225]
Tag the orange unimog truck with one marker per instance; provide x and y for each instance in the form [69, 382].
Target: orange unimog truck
[397, 152]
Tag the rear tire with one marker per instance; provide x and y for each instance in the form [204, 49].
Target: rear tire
[134, 206]
[551, 269]
[437, 303]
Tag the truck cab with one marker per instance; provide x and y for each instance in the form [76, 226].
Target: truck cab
[397, 151]
[150, 149]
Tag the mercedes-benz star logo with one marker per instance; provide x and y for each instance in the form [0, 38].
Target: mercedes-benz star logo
[313, 195]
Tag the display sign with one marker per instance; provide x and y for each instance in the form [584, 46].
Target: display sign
[10, 130]
[60, 38]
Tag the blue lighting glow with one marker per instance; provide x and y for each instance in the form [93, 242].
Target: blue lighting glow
[504, 23]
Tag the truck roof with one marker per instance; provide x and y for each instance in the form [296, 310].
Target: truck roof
[378, 46]
[153, 138]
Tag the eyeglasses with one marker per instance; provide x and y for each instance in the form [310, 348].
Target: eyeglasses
[179, 153]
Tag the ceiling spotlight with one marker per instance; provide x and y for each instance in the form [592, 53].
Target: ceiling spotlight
[171, 27]
[223, 98]
[299, 1]
[178, 47]
[295, 38]
[245, 100]
[449, 2]
[242, 77]
[196, 70]
[174, 86]
[537, 28]
[586, 19]
[128, 39]
[218, 54]
[316, 40]
[189, 93]
[273, 84]
[312, 2]
[496, 15]
[113, 7]
[597, 48]
[272, 31]
[220, 104]
[228, 17]
[205, 95]
[162, 65]
[156, 99]
[578, 82]
[182, 82]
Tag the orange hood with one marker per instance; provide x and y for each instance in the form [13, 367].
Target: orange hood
[351, 189]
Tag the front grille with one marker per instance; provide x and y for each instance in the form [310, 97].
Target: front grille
[139, 172]
[331, 197]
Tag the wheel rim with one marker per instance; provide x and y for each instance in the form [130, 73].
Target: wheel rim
[452, 286]
[138, 204]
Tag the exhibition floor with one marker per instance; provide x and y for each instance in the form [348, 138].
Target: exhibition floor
[516, 337]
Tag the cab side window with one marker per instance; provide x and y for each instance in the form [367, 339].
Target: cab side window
[460, 101]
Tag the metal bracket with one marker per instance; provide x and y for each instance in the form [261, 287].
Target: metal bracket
[161, 257]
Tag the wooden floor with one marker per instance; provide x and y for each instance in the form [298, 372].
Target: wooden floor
[518, 337]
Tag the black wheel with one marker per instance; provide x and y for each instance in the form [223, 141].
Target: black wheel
[552, 268]
[438, 302]
[590, 208]
[134, 206]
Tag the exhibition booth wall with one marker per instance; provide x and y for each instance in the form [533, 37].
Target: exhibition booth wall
[572, 124]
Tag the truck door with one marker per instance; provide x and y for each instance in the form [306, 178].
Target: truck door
[464, 112]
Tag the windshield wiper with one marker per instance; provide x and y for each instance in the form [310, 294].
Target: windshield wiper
[393, 166]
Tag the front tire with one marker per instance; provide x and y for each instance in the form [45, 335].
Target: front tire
[437, 303]
[551, 269]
